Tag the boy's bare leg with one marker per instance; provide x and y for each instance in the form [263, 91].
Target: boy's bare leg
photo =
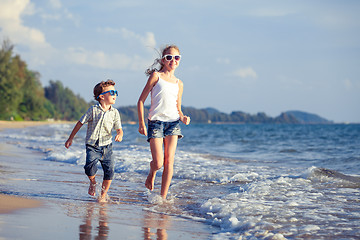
[170, 144]
[105, 187]
[92, 187]
[156, 163]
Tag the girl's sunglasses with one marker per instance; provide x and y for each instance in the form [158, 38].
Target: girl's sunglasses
[112, 93]
[169, 57]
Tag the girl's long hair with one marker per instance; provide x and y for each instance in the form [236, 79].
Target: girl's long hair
[157, 65]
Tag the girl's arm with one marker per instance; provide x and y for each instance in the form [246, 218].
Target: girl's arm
[183, 118]
[140, 105]
[72, 134]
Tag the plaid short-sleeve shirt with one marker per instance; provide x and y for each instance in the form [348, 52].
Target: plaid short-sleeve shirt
[100, 124]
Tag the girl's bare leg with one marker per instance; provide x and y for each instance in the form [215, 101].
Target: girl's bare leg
[157, 161]
[170, 144]
[92, 187]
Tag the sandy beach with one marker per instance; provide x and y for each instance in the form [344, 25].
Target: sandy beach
[11, 203]
[26, 214]
[22, 124]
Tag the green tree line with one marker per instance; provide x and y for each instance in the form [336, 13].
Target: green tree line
[22, 96]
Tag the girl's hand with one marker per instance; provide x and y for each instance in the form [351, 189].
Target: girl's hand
[185, 120]
[143, 130]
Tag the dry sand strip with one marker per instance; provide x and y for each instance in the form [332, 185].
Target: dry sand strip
[22, 124]
[11, 203]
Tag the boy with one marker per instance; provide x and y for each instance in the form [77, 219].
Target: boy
[101, 119]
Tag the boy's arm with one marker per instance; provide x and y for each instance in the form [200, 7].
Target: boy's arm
[72, 134]
[119, 135]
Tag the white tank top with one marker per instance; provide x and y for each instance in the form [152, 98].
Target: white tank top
[164, 96]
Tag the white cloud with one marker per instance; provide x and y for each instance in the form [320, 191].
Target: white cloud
[114, 60]
[56, 12]
[12, 26]
[39, 51]
[102, 60]
[147, 40]
[55, 4]
[11, 9]
[245, 73]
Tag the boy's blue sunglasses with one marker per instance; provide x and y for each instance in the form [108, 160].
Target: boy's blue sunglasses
[112, 93]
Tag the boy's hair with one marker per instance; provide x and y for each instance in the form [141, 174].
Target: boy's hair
[99, 88]
[153, 67]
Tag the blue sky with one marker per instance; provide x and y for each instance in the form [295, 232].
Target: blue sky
[251, 56]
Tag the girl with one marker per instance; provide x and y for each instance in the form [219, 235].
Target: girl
[164, 116]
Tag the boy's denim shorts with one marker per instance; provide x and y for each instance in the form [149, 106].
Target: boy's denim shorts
[94, 154]
[160, 129]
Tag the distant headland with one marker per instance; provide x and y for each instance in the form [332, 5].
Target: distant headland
[212, 115]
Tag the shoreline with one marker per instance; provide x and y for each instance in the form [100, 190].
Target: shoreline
[37, 193]
[11, 203]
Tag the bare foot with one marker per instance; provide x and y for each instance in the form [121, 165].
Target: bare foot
[92, 189]
[149, 183]
[103, 199]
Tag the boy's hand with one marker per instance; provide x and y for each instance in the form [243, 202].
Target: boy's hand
[118, 138]
[119, 135]
[68, 143]
[185, 120]
[72, 134]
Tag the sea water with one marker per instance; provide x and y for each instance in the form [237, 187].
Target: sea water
[249, 181]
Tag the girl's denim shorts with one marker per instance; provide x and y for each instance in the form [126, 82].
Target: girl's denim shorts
[160, 129]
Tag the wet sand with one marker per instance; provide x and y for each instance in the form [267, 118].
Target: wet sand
[11, 203]
[35, 204]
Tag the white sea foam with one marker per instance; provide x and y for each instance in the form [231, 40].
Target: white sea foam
[266, 203]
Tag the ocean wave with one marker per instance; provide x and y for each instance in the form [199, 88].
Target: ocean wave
[334, 178]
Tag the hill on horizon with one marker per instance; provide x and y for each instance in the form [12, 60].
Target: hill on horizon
[212, 115]
[308, 118]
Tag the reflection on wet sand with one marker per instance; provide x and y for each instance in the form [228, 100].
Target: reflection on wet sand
[85, 229]
[96, 219]
[160, 222]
